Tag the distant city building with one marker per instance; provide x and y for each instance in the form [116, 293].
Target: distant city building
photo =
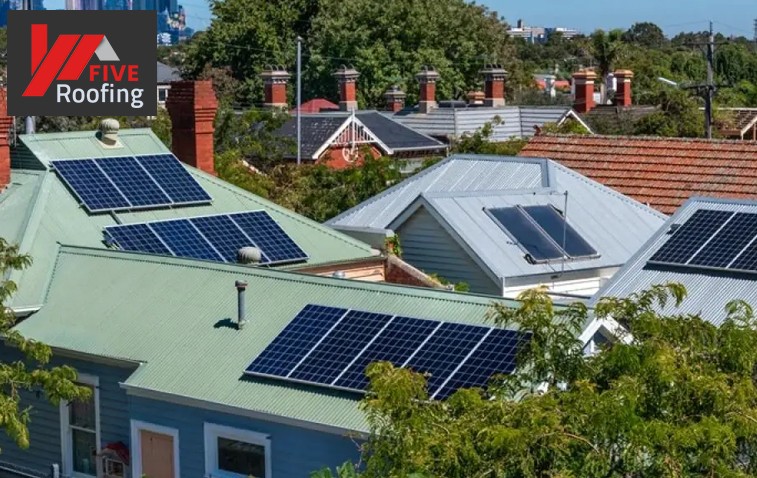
[539, 34]
[16, 5]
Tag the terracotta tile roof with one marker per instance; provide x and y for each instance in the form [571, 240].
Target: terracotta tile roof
[662, 172]
[316, 105]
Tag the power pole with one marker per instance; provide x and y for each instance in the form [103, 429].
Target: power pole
[299, 98]
[710, 91]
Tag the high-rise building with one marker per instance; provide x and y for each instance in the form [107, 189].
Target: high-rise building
[6, 5]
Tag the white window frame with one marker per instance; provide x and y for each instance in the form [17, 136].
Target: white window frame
[66, 438]
[213, 432]
[136, 445]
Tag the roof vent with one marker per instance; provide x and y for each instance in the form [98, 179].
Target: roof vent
[109, 132]
[249, 255]
[339, 275]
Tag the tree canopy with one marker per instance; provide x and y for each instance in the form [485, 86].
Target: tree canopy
[675, 396]
[32, 373]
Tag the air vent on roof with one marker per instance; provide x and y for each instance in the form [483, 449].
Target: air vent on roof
[673, 228]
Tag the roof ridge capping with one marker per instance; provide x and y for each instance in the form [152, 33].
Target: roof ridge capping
[281, 274]
[644, 138]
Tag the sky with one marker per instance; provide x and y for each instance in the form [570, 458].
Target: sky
[731, 17]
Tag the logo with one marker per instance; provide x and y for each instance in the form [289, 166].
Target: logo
[82, 63]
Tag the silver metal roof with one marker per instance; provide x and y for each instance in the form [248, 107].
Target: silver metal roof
[708, 292]
[457, 190]
[515, 121]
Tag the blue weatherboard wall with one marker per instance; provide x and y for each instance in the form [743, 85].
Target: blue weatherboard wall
[44, 427]
[295, 452]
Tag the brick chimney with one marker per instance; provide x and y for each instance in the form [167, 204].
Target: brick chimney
[395, 99]
[347, 79]
[427, 78]
[494, 85]
[5, 152]
[623, 90]
[583, 81]
[192, 106]
[275, 80]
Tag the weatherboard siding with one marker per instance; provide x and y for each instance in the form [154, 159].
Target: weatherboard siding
[429, 247]
[44, 424]
[295, 452]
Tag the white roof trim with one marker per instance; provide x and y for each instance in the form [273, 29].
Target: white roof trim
[571, 113]
[352, 119]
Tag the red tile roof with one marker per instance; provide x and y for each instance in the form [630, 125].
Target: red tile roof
[316, 105]
[662, 172]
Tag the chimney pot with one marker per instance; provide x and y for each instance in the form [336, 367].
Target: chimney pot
[275, 79]
[5, 130]
[347, 79]
[623, 90]
[583, 81]
[427, 78]
[494, 85]
[192, 106]
[395, 99]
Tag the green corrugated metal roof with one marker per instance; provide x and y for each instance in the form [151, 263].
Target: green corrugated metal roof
[51, 215]
[165, 311]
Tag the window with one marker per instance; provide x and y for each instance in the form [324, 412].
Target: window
[235, 453]
[162, 94]
[80, 431]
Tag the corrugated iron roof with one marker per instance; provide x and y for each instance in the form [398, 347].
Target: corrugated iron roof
[507, 121]
[48, 214]
[708, 292]
[458, 188]
[661, 172]
[170, 313]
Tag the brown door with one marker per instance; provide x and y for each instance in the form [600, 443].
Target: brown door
[157, 455]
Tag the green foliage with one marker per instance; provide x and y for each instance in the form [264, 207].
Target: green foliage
[456, 37]
[457, 287]
[569, 126]
[607, 48]
[33, 373]
[480, 142]
[674, 397]
[160, 124]
[646, 34]
[679, 116]
[392, 245]
[252, 134]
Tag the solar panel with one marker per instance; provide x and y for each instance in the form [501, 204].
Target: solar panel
[268, 236]
[747, 260]
[176, 181]
[555, 225]
[526, 233]
[444, 351]
[184, 240]
[331, 347]
[690, 237]
[395, 344]
[495, 355]
[90, 185]
[133, 181]
[137, 237]
[127, 182]
[340, 347]
[296, 340]
[728, 242]
[219, 237]
[224, 235]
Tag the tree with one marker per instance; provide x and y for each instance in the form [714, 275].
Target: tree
[479, 142]
[679, 116]
[646, 34]
[32, 373]
[606, 48]
[675, 397]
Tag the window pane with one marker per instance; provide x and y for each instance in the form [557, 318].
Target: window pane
[240, 457]
[84, 449]
[82, 412]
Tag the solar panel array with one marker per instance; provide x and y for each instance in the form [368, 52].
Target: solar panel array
[711, 239]
[331, 346]
[130, 182]
[543, 233]
[214, 238]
